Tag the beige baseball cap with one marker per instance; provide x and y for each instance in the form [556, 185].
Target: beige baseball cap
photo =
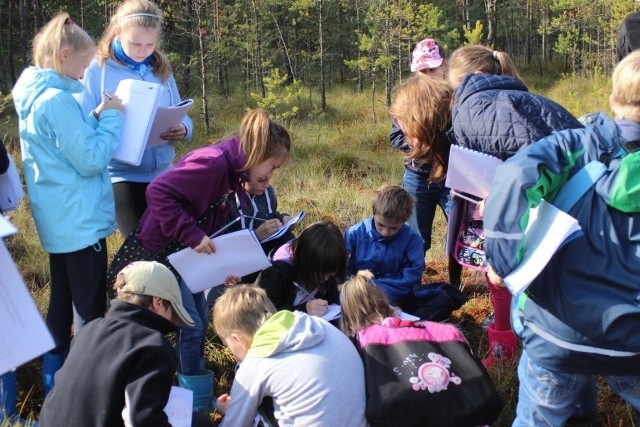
[156, 280]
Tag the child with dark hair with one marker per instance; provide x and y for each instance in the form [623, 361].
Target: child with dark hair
[306, 271]
[392, 251]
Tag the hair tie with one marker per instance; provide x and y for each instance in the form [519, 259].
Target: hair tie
[133, 15]
[495, 54]
[68, 21]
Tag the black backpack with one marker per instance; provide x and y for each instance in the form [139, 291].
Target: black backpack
[629, 35]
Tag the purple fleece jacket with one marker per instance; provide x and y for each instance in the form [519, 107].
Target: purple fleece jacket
[178, 198]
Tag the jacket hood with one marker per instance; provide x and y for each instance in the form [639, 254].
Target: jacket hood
[34, 81]
[286, 332]
[474, 83]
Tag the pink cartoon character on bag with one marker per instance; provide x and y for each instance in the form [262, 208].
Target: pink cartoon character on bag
[434, 376]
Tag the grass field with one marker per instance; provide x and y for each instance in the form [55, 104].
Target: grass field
[339, 158]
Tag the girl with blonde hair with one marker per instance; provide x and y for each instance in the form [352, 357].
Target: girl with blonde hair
[363, 303]
[129, 49]
[65, 155]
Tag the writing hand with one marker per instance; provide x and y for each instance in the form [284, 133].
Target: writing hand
[206, 246]
[175, 133]
[267, 228]
[317, 307]
[114, 103]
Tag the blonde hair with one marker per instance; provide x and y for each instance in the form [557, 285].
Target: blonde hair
[392, 202]
[241, 308]
[262, 138]
[140, 13]
[422, 106]
[476, 58]
[58, 33]
[363, 303]
[625, 94]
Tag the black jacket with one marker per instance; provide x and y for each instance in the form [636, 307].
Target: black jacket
[278, 281]
[122, 354]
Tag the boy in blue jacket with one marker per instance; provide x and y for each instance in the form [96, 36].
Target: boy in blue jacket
[579, 317]
[393, 252]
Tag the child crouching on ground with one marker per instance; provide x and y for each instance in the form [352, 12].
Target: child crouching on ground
[309, 368]
[394, 253]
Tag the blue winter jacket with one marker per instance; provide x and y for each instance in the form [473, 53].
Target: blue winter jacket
[497, 115]
[65, 155]
[155, 160]
[397, 261]
[581, 314]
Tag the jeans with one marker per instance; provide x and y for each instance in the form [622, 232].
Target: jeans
[548, 398]
[427, 198]
[191, 339]
[78, 291]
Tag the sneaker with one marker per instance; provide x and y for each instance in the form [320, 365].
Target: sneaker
[487, 321]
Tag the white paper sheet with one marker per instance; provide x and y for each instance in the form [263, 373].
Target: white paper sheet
[549, 228]
[179, 407]
[333, 312]
[23, 335]
[284, 227]
[238, 253]
[471, 171]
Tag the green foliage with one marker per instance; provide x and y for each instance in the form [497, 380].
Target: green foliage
[281, 99]
[475, 35]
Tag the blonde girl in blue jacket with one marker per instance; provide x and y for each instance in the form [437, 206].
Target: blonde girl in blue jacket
[129, 49]
[65, 154]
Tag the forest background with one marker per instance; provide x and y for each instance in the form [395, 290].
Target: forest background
[326, 68]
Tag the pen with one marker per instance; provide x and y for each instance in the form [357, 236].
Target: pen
[304, 291]
[107, 95]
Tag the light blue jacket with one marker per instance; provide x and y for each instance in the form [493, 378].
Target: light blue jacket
[65, 154]
[155, 160]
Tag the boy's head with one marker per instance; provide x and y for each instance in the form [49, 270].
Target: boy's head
[392, 206]
[238, 314]
[152, 285]
[625, 95]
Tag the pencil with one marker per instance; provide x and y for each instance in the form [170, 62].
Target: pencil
[107, 95]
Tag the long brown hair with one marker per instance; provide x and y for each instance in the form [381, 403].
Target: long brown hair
[422, 108]
[262, 137]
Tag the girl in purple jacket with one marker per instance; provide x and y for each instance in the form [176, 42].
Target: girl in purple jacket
[191, 201]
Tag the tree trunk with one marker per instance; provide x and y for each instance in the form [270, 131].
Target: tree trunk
[490, 8]
[323, 96]
[199, 10]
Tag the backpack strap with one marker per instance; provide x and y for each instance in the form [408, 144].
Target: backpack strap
[575, 188]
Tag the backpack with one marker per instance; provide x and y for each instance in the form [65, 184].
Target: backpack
[468, 248]
[424, 374]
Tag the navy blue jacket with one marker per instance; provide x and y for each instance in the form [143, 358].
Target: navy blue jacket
[497, 115]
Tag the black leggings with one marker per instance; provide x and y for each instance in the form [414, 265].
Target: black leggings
[131, 202]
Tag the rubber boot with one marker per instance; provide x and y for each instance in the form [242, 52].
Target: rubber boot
[202, 388]
[502, 346]
[51, 362]
[8, 392]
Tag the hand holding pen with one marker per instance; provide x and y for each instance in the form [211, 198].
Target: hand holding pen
[109, 102]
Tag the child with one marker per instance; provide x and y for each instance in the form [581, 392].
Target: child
[191, 201]
[363, 303]
[426, 187]
[309, 368]
[306, 271]
[65, 155]
[129, 49]
[121, 367]
[493, 112]
[580, 315]
[392, 251]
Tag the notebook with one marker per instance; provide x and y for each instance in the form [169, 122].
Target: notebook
[471, 171]
[144, 120]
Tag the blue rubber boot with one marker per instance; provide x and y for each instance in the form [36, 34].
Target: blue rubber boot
[51, 362]
[8, 392]
[202, 388]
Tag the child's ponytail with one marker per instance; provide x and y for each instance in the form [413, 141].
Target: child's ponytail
[59, 32]
[472, 59]
[363, 303]
[262, 138]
